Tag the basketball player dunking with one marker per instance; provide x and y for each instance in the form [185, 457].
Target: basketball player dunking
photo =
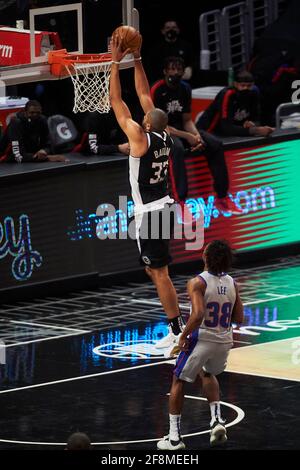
[150, 146]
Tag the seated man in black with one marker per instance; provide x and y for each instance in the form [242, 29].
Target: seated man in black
[235, 111]
[173, 95]
[26, 138]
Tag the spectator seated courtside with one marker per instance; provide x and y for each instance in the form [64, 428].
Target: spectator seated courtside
[173, 95]
[27, 139]
[235, 111]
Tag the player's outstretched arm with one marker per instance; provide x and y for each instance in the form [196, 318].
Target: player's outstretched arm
[141, 82]
[120, 108]
[136, 136]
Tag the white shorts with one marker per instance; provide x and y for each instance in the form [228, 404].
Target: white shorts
[202, 355]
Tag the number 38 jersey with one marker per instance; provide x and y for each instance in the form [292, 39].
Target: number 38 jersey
[148, 175]
[219, 300]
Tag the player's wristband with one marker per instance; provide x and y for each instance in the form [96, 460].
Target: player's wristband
[137, 58]
[115, 62]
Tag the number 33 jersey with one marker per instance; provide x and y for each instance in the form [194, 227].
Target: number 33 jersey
[219, 300]
[148, 175]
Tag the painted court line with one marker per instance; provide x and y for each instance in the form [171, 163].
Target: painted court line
[43, 325]
[42, 339]
[269, 342]
[240, 416]
[252, 302]
[272, 300]
[48, 326]
[261, 375]
[156, 303]
[83, 377]
[243, 342]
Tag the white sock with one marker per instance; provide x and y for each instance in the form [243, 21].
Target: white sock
[215, 412]
[174, 432]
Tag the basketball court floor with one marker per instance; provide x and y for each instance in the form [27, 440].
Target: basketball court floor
[87, 362]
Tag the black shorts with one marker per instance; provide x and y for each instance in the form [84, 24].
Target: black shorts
[154, 231]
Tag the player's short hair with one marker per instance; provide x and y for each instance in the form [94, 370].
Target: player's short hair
[159, 120]
[79, 441]
[173, 61]
[34, 103]
[243, 76]
[218, 257]
[169, 20]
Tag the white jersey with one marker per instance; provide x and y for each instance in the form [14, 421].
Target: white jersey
[219, 300]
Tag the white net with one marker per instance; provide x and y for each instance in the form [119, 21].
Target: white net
[91, 86]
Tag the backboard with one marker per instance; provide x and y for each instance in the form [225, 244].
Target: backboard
[71, 26]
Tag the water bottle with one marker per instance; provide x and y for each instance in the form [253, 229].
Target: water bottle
[204, 59]
[20, 24]
[230, 76]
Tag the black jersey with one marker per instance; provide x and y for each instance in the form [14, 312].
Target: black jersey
[174, 101]
[229, 111]
[148, 175]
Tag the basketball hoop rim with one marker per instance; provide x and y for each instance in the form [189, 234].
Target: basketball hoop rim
[61, 61]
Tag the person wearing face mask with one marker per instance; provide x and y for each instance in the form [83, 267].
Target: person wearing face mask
[171, 44]
[26, 138]
[173, 95]
[235, 111]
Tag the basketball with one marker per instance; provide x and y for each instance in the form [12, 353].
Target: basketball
[130, 37]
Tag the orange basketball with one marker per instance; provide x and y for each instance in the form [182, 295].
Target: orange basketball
[130, 37]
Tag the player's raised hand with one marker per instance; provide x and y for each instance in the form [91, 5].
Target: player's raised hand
[116, 49]
[137, 52]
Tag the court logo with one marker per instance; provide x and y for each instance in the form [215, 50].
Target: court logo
[276, 326]
[17, 243]
[131, 349]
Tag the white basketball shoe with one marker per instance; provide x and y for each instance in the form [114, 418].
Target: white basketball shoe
[166, 341]
[217, 434]
[167, 444]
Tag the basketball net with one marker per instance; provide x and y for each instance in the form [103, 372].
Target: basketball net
[91, 86]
